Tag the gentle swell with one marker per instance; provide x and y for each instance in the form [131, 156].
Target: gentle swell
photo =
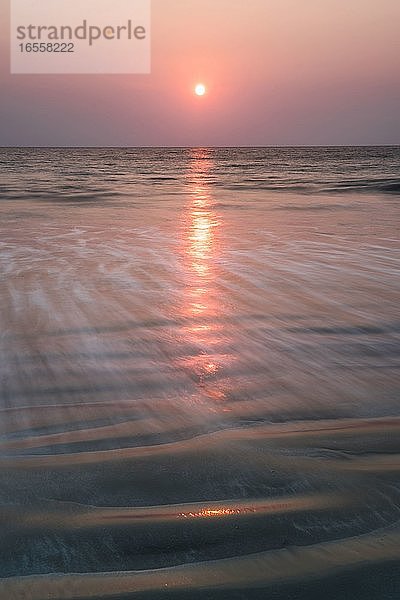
[258, 570]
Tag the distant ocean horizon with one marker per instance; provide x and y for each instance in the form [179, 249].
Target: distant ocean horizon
[288, 168]
[199, 391]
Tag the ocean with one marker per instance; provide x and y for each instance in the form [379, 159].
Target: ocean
[199, 392]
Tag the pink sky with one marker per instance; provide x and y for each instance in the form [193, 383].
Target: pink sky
[278, 72]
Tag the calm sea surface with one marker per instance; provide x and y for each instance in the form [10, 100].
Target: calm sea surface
[199, 374]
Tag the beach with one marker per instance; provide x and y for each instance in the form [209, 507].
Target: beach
[199, 373]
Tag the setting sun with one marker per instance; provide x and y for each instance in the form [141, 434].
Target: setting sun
[200, 89]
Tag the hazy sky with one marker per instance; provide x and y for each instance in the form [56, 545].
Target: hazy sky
[278, 72]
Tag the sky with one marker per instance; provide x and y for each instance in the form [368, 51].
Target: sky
[277, 72]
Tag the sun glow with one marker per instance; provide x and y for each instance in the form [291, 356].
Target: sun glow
[200, 89]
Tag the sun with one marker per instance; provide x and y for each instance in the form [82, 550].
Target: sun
[200, 89]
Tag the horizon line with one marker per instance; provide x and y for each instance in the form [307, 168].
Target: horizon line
[189, 147]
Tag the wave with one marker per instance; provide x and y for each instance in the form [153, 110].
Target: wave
[71, 516]
[262, 436]
[252, 571]
[315, 186]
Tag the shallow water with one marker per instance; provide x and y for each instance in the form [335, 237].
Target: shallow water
[199, 373]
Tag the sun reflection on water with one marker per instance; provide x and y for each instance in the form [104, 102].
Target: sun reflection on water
[202, 310]
[215, 512]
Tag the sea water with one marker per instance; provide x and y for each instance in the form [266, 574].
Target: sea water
[199, 392]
